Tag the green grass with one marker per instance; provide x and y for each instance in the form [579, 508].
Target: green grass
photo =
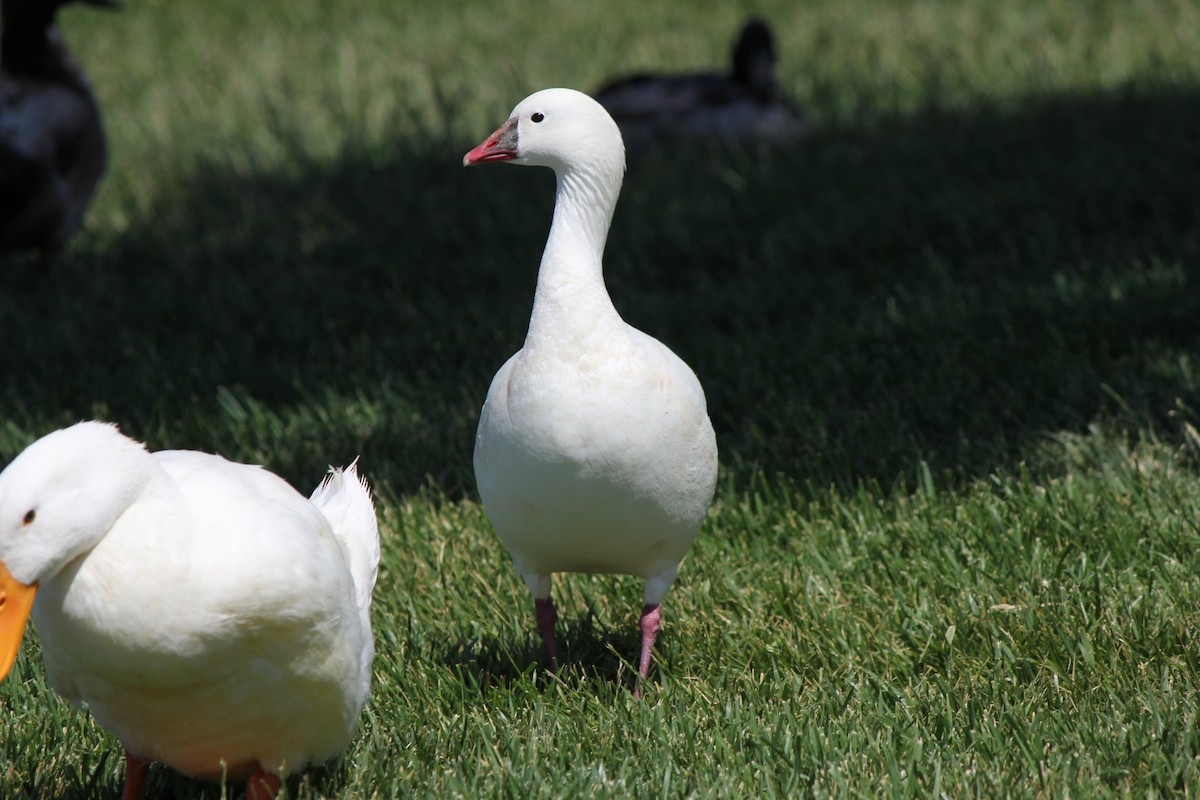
[950, 345]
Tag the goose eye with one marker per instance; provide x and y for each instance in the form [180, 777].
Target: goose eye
[30, 515]
[537, 116]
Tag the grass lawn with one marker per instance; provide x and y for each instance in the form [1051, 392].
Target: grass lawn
[951, 345]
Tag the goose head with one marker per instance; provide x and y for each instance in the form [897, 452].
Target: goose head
[558, 128]
[58, 499]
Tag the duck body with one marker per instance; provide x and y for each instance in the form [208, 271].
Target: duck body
[221, 622]
[745, 104]
[53, 150]
[594, 451]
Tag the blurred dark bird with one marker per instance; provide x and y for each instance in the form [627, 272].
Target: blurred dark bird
[745, 104]
[52, 148]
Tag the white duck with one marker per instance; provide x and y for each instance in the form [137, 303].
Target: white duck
[207, 614]
[594, 451]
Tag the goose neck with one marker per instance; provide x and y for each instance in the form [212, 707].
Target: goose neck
[571, 278]
[583, 207]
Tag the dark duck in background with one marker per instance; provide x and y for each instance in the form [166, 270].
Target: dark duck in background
[52, 147]
[745, 104]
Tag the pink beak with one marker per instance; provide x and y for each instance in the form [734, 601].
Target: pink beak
[500, 146]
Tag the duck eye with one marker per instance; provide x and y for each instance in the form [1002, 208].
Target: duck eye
[537, 116]
[30, 515]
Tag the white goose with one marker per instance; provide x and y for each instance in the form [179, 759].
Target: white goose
[594, 451]
[207, 614]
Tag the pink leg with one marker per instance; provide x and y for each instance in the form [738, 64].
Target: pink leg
[136, 768]
[262, 786]
[546, 617]
[651, 614]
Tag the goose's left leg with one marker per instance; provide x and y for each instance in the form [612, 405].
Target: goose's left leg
[650, 621]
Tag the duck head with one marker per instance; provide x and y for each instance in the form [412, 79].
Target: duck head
[26, 16]
[58, 499]
[31, 45]
[754, 58]
[556, 128]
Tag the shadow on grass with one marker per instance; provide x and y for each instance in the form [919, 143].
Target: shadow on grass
[585, 649]
[946, 287]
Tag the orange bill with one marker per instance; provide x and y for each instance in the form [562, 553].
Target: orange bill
[16, 601]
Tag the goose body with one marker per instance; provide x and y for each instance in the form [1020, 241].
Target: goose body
[594, 451]
[52, 145]
[208, 615]
[744, 104]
